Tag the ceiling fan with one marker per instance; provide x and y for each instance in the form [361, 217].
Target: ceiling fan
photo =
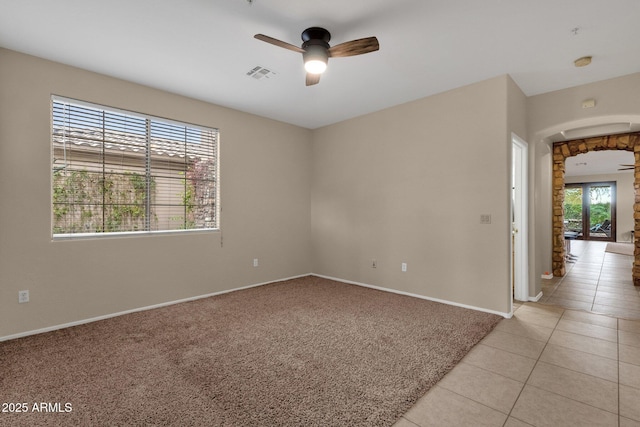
[627, 167]
[316, 51]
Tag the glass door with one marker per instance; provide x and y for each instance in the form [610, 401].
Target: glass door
[590, 210]
[573, 208]
[601, 197]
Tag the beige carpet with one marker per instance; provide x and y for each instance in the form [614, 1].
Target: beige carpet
[620, 248]
[304, 352]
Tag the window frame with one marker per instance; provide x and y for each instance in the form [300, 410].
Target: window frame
[149, 120]
[585, 233]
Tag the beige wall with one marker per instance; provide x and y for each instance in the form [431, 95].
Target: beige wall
[516, 111]
[617, 100]
[624, 200]
[408, 184]
[265, 206]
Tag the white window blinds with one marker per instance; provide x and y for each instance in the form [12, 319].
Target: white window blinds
[118, 172]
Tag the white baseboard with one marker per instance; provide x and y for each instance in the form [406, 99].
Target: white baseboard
[168, 303]
[536, 298]
[149, 307]
[394, 291]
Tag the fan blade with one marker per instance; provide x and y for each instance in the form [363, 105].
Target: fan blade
[313, 79]
[354, 47]
[625, 169]
[279, 43]
[628, 166]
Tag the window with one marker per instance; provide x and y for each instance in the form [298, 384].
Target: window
[115, 171]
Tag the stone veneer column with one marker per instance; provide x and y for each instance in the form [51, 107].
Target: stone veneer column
[636, 213]
[560, 153]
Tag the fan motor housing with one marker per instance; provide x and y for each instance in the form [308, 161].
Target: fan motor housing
[316, 33]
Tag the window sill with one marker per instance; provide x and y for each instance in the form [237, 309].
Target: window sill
[129, 234]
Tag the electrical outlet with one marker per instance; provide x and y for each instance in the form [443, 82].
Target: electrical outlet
[255, 262]
[404, 267]
[374, 263]
[23, 296]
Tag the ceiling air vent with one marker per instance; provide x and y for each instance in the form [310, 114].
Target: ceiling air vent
[260, 73]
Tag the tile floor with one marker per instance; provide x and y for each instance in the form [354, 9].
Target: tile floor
[596, 281]
[550, 365]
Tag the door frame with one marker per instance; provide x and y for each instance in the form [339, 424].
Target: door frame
[562, 150]
[520, 217]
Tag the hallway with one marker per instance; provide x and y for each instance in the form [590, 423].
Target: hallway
[596, 281]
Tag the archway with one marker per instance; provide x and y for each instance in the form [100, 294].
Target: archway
[562, 150]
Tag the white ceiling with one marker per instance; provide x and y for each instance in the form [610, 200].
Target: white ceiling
[204, 48]
[599, 163]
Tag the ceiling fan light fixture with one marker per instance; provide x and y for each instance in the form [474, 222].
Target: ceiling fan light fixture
[316, 50]
[315, 59]
[315, 66]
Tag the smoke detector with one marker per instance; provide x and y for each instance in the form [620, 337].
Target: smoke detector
[582, 62]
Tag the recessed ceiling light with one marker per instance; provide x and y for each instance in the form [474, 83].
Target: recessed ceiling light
[582, 62]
